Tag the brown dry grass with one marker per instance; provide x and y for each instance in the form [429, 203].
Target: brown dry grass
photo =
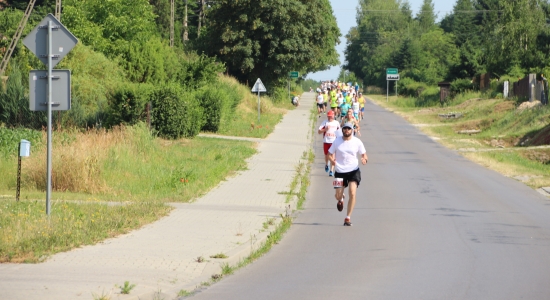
[505, 106]
[76, 164]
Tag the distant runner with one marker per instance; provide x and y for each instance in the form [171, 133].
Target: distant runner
[330, 130]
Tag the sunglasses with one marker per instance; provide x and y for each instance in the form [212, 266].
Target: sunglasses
[346, 128]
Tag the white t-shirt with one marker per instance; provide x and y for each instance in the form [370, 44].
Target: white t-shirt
[340, 100]
[346, 153]
[320, 99]
[355, 107]
[333, 130]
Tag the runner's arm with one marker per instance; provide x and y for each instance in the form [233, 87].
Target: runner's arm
[364, 158]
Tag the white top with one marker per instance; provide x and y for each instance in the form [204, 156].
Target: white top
[340, 100]
[333, 130]
[320, 99]
[346, 153]
[355, 107]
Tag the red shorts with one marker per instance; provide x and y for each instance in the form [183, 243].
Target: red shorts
[326, 146]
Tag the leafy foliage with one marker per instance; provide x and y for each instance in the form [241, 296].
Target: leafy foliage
[219, 102]
[128, 104]
[10, 138]
[501, 37]
[14, 103]
[176, 113]
[269, 38]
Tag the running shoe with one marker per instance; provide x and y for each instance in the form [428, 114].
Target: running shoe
[330, 174]
[340, 205]
[347, 222]
[326, 168]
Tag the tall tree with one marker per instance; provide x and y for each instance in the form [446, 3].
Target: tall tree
[426, 16]
[466, 30]
[513, 40]
[269, 38]
[378, 33]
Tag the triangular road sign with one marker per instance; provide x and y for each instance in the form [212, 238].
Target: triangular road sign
[258, 86]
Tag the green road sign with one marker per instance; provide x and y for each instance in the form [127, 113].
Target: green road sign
[293, 74]
[391, 71]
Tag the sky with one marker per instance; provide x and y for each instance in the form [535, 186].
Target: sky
[345, 11]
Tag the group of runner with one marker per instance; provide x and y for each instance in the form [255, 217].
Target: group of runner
[340, 144]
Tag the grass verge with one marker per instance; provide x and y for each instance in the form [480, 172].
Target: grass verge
[28, 235]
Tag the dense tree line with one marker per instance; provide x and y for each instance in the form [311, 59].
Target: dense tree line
[502, 37]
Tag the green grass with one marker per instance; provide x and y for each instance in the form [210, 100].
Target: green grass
[245, 120]
[28, 235]
[177, 171]
[127, 166]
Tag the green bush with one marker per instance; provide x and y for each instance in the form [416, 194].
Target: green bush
[10, 138]
[219, 102]
[128, 104]
[93, 78]
[279, 94]
[14, 103]
[411, 88]
[197, 71]
[428, 97]
[176, 112]
[460, 86]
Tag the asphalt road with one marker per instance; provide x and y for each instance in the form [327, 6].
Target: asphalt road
[428, 224]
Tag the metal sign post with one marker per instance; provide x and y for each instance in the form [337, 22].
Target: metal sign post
[292, 75]
[40, 41]
[258, 87]
[49, 107]
[393, 75]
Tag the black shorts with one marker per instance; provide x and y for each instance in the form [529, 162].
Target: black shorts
[320, 105]
[349, 176]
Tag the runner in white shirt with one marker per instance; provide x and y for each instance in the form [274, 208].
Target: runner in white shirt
[330, 130]
[320, 104]
[343, 154]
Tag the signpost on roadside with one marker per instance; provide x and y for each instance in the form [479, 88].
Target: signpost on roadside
[292, 75]
[393, 75]
[50, 41]
[258, 87]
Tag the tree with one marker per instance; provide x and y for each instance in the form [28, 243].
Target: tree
[378, 34]
[426, 16]
[269, 38]
[463, 25]
[513, 38]
[109, 26]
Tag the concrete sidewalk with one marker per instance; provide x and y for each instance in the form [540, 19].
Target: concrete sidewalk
[161, 258]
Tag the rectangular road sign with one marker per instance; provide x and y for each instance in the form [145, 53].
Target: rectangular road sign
[38, 90]
[294, 74]
[392, 71]
[392, 77]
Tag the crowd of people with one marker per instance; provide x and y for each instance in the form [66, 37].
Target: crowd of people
[341, 145]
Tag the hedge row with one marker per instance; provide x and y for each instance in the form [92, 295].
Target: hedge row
[176, 111]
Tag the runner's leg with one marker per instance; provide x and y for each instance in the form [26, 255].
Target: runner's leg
[339, 194]
[352, 191]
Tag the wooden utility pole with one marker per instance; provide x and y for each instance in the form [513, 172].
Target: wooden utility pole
[172, 8]
[58, 9]
[185, 31]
